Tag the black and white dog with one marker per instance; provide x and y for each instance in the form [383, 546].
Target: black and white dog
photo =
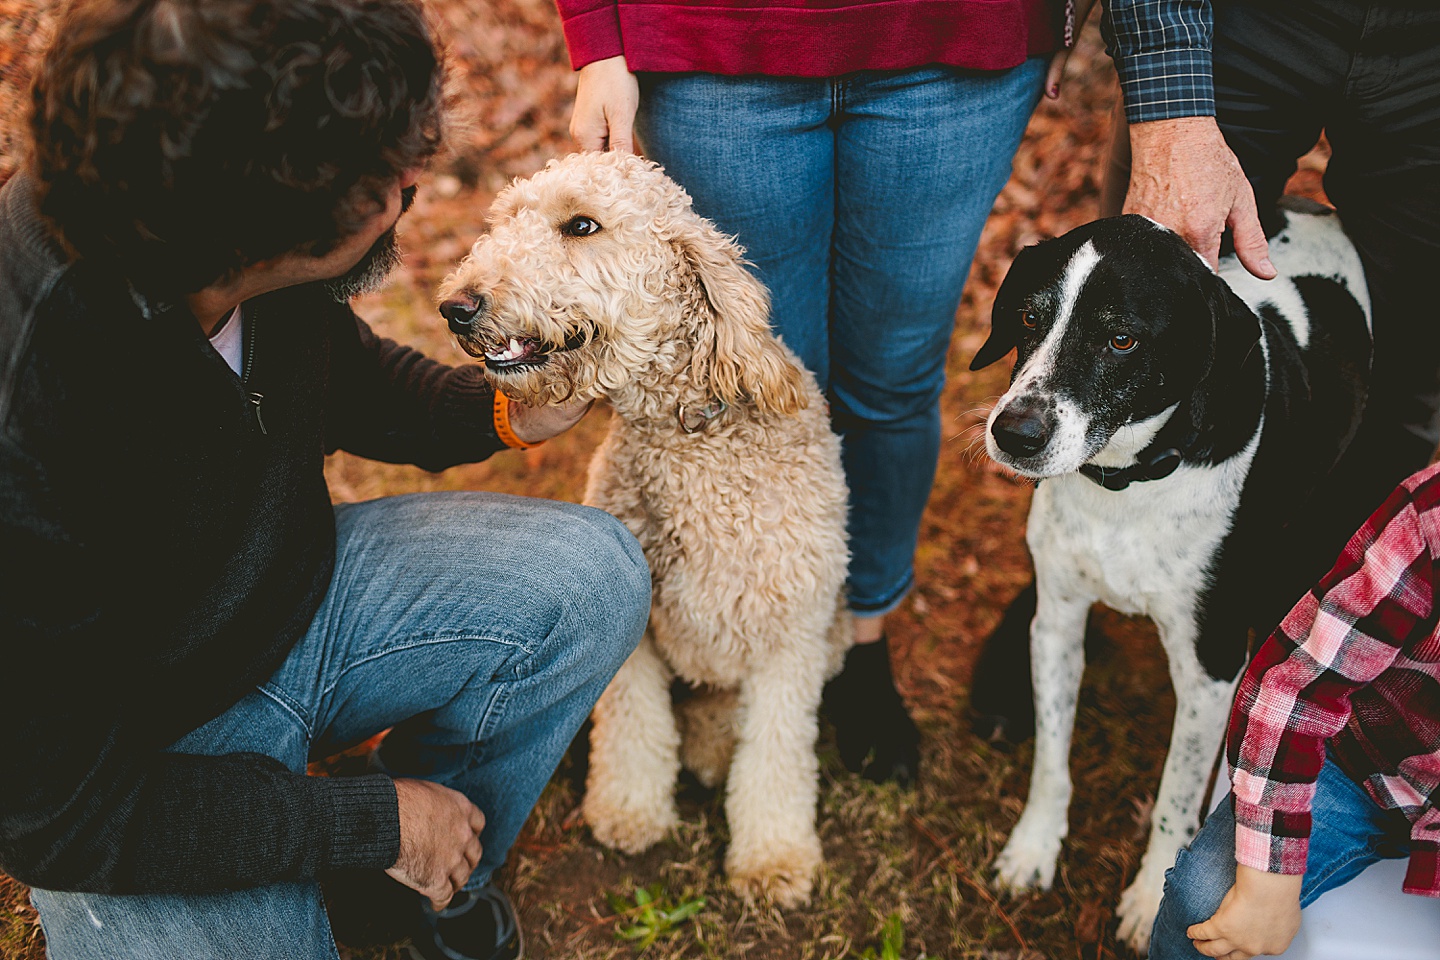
[1176, 418]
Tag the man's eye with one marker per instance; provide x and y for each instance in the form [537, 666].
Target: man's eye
[1122, 343]
[1027, 319]
[580, 227]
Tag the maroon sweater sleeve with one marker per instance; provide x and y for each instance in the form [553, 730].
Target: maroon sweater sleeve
[592, 30]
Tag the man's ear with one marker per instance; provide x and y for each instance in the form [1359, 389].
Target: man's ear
[1021, 280]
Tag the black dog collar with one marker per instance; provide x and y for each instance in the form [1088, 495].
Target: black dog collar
[1156, 467]
[1155, 462]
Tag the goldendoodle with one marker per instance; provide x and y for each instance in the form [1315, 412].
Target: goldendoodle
[599, 280]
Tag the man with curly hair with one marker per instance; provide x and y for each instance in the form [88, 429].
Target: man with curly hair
[185, 619]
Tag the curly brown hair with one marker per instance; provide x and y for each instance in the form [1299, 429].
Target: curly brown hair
[182, 140]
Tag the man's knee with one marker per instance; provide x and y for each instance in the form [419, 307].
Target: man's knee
[621, 577]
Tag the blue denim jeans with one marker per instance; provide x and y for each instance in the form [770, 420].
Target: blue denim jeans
[860, 201]
[1349, 832]
[480, 627]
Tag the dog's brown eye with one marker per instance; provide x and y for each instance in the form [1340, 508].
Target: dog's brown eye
[1122, 343]
[1027, 319]
[580, 227]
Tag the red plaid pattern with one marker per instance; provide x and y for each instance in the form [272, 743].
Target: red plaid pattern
[1356, 665]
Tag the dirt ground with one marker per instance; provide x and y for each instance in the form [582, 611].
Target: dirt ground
[907, 873]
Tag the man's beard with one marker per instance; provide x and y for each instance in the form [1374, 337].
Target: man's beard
[369, 273]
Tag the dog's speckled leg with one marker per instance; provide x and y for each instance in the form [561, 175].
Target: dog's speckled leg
[1201, 706]
[770, 804]
[634, 756]
[1057, 647]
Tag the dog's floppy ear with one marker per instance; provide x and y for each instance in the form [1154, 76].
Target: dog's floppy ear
[1005, 330]
[736, 358]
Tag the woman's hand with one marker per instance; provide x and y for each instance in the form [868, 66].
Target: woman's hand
[605, 104]
[1056, 73]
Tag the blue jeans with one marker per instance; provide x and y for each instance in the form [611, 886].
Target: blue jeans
[1349, 832]
[480, 627]
[860, 201]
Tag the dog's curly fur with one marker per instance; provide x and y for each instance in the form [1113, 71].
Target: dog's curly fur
[742, 520]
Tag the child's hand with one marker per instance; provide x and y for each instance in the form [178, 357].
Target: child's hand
[1056, 73]
[1260, 915]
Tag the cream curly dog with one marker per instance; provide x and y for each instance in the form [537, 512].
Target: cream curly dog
[598, 280]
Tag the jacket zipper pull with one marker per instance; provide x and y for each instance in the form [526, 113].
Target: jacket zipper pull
[254, 399]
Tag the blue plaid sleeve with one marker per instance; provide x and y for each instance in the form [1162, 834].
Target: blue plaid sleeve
[1161, 50]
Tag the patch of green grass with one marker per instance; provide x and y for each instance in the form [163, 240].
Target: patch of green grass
[892, 942]
[651, 914]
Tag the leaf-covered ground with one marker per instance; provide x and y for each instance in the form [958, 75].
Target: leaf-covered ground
[906, 873]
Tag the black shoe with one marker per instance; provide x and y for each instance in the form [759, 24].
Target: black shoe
[477, 925]
[367, 908]
[876, 737]
[1002, 699]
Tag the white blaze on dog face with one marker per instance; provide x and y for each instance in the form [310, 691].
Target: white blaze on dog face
[1112, 328]
[569, 273]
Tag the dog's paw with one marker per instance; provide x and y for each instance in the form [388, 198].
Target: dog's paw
[1029, 858]
[1138, 906]
[784, 876]
[627, 824]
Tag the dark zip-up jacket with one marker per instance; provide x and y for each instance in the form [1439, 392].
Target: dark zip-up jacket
[165, 537]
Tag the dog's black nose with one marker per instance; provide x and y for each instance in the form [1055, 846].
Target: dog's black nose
[1021, 429]
[460, 312]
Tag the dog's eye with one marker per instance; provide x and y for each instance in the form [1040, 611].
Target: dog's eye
[1122, 343]
[580, 227]
[1027, 319]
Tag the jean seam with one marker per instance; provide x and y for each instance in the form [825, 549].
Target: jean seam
[290, 705]
[489, 720]
[414, 645]
[1334, 866]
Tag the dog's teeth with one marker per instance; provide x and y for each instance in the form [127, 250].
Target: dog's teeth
[514, 348]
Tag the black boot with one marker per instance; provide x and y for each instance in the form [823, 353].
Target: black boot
[876, 737]
[1002, 699]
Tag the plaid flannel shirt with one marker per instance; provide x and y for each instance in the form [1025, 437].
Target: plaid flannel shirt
[1354, 667]
[1161, 50]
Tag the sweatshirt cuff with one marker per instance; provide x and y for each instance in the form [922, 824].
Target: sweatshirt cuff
[468, 410]
[362, 818]
[592, 34]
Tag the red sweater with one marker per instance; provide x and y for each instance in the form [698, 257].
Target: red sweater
[809, 38]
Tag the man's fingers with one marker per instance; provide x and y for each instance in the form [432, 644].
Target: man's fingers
[473, 851]
[477, 819]
[1250, 244]
[1206, 243]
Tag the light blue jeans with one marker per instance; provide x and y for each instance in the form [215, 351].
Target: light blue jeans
[1349, 832]
[480, 627]
[860, 200]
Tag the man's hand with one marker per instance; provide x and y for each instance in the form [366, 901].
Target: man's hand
[605, 103]
[1260, 915]
[439, 839]
[533, 424]
[1183, 175]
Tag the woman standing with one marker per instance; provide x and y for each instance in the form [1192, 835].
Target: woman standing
[855, 148]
